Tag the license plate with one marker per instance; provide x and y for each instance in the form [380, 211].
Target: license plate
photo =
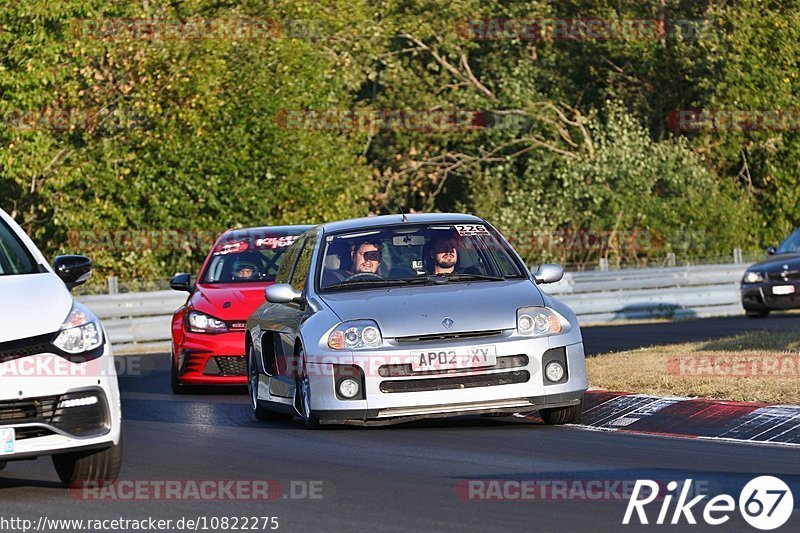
[454, 358]
[7, 440]
[783, 289]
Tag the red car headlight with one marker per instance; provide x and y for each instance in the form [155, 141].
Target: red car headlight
[202, 323]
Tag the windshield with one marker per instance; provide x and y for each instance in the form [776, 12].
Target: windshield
[416, 253]
[251, 257]
[791, 245]
[14, 256]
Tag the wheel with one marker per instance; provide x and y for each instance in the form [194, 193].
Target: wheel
[74, 468]
[303, 394]
[259, 412]
[561, 415]
[757, 314]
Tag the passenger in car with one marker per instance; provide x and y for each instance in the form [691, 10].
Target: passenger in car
[444, 253]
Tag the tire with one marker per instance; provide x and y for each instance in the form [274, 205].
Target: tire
[757, 314]
[561, 415]
[303, 395]
[103, 465]
[261, 413]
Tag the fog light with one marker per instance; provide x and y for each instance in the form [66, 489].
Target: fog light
[348, 388]
[78, 402]
[554, 371]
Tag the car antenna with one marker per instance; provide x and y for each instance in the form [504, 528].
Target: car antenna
[401, 212]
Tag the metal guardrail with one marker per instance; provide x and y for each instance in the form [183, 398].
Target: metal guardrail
[141, 321]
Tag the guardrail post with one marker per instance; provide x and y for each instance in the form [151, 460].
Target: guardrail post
[671, 259]
[113, 285]
[737, 256]
[603, 264]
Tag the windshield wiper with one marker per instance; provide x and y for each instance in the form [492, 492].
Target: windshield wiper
[442, 279]
[365, 282]
[469, 277]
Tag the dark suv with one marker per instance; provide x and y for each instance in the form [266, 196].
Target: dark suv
[774, 283]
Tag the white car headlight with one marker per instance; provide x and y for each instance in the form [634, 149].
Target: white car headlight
[81, 331]
[202, 323]
[753, 277]
[354, 335]
[538, 322]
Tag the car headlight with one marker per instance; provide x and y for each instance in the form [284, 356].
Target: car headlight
[354, 335]
[753, 277]
[538, 322]
[202, 323]
[81, 331]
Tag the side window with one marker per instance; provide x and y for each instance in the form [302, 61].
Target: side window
[288, 261]
[303, 267]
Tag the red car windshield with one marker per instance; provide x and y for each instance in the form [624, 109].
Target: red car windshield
[253, 258]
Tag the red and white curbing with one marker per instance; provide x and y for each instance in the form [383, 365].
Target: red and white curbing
[691, 418]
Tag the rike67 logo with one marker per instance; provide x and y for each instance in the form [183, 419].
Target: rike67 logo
[765, 503]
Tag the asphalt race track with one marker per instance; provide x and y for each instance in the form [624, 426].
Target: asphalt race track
[401, 478]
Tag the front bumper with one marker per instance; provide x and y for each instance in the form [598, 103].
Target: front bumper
[763, 297]
[212, 359]
[55, 406]
[515, 384]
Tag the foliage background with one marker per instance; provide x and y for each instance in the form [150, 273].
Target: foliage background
[187, 137]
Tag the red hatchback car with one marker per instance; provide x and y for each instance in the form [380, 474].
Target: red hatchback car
[208, 330]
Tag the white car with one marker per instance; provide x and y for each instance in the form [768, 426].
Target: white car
[58, 386]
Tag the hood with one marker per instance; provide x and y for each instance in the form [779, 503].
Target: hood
[229, 301]
[32, 304]
[777, 263]
[410, 311]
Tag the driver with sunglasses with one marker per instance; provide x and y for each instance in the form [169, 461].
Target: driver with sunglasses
[366, 257]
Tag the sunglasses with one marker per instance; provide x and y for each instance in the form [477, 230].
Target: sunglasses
[371, 255]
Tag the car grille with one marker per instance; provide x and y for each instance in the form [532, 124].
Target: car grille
[226, 365]
[438, 337]
[25, 347]
[81, 420]
[404, 370]
[31, 432]
[460, 382]
[39, 409]
[781, 276]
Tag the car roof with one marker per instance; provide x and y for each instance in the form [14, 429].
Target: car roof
[241, 233]
[388, 220]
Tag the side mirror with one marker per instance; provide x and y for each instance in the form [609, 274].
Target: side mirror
[181, 282]
[73, 270]
[772, 250]
[548, 274]
[282, 293]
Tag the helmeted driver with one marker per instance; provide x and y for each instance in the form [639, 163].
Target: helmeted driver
[244, 270]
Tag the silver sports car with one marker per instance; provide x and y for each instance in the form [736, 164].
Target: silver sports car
[387, 319]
